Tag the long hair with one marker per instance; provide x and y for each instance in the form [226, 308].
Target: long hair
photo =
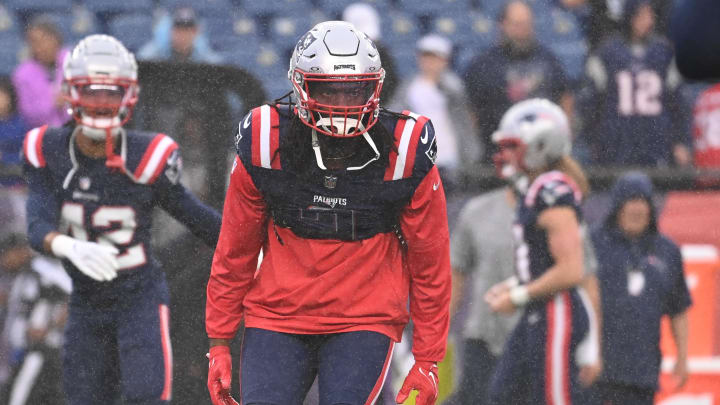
[572, 168]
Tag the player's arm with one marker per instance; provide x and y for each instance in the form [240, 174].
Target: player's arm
[565, 244]
[425, 227]
[235, 261]
[241, 237]
[176, 200]
[42, 210]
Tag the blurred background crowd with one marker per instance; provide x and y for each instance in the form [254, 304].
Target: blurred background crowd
[607, 63]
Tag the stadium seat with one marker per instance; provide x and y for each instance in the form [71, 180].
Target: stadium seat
[492, 8]
[405, 59]
[572, 55]
[467, 30]
[334, 8]
[400, 30]
[262, 59]
[226, 33]
[205, 7]
[558, 25]
[10, 53]
[134, 30]
[275, 7]
[105, 7]
[27, 7]
[286, 31]
[74, 25]
[432, 8]
[9, 24]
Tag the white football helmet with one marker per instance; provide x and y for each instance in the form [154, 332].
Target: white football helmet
[100, 84]
[337, 76]
[532, 135]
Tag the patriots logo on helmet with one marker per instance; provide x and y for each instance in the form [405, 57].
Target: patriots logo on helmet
[305, 42]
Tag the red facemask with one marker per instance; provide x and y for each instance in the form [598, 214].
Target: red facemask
[339, 105]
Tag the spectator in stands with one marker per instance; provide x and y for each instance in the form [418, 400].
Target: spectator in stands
[635, 114]
[179, 40]
[438, 93]
[12, 126]
[517, 68]
[706, 129]
[366, 19]
[641, 280]
[37, 80]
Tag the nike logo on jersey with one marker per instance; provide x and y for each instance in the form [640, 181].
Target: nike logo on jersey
[436, 186]
[246, 123]
[424, 138]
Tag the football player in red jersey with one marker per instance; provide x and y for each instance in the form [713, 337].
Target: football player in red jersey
[346, 204]
[557, 334]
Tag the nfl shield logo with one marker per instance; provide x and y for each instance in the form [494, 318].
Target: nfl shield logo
[84, 183]
[330, 181]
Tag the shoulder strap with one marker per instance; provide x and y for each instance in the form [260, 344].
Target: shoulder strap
[265, 134]
[407, 134]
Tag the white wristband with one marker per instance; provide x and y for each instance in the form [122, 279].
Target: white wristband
[60, 245]
[519, 295]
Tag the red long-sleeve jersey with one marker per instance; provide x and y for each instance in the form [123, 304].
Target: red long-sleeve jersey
[318, 286]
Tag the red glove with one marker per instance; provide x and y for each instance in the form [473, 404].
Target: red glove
[220, 375]
[423, 377]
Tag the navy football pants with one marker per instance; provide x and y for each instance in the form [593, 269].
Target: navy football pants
[279, 368]
[538, 363]
[121, 350]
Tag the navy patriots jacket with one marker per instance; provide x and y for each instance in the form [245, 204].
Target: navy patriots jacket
[641, 280]
[81, 197]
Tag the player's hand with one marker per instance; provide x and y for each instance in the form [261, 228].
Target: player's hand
[423, 377]
[590, 373]
[220, 375]
[501, 302]
[97, 261]
[680, 374]
[496, 290]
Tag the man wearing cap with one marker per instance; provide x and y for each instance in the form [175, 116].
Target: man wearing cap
[178, 39]
[436, 92]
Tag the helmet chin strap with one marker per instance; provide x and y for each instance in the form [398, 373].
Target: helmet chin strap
[113, 161]
[319, 159]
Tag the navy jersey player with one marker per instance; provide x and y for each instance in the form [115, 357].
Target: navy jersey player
[542, 358]
[347, 206]
[92, 189]
[642, 119]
